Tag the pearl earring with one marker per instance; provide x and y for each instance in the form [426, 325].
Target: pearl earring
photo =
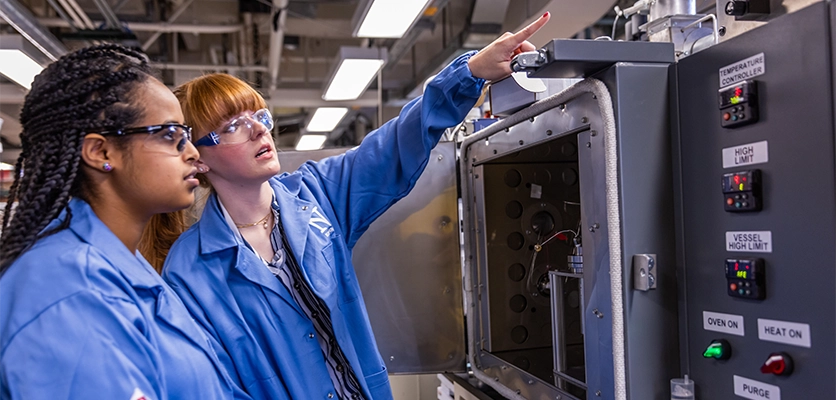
[107, 167]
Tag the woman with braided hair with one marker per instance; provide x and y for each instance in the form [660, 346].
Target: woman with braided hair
[82, 314]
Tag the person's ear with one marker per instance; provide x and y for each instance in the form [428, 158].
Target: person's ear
[98, 153]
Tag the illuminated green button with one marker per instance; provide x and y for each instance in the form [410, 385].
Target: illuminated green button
[718, 349]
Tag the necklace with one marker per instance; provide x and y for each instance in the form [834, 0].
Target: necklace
[262, 221]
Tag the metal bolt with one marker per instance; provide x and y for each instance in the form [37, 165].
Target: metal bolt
[530, 382]
[598, 393]
[507, 129]
[521, 142]
[517, 391]
[562, 107]
[722, 31]
[584, 120]
[531, 119]
[549, 132]
[391, 358]
[595, 225]
[588, 145]
[440, 157]
[598, 313]
[591, 133]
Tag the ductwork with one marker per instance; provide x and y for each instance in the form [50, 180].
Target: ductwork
[25, 23]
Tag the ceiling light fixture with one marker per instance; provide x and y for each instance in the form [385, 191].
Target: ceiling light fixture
[17, 60]
[387, 18]
[310, 142]
[355, 69]
[325, 119]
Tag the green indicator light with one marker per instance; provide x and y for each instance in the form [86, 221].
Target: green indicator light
[718, 349]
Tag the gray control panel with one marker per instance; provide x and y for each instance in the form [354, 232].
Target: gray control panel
[756, 239]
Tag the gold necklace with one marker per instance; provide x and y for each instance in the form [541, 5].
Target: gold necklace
[262, 221]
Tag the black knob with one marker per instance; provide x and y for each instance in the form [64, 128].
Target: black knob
[736, 8]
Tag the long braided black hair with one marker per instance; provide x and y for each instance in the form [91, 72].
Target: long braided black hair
[82, 92]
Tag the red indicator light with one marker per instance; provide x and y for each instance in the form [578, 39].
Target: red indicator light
[744, 179]
[561, 237]
[738, 91]
[747, 267]
[736, 265]
[777, 364]
[737, 179]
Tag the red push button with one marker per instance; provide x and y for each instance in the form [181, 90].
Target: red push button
[726, 116]
[777, 364]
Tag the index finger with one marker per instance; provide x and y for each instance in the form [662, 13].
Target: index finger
[531, 29]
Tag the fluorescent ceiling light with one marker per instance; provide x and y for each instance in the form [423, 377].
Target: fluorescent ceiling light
[325, 119]
[355, 69]
[310, 142]
[352, 78]
[17, 60]
[390, 18]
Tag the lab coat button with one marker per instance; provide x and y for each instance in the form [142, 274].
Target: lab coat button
[340, 368]
[330, 395]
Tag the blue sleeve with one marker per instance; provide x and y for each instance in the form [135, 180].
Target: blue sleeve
[86, 346]
[365, 181]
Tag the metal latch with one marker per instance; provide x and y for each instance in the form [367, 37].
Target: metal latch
[644, 272]
[528, 60]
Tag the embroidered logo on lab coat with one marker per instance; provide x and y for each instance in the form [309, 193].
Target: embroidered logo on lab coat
[319, 222]
[138, 395]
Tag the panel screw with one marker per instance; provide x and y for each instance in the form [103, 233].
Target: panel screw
[531, 119]
[440, 157]
[549, 132]
[588, 145]
[598, 393]
[391, 358]
[584, 120]
[591, 133]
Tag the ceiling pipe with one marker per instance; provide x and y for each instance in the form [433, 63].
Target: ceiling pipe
[277, 40]
[25, 23]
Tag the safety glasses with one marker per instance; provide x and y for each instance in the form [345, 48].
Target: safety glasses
[166, 138]
[239, 130]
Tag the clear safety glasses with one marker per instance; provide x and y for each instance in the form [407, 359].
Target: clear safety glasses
[239, 130]
[166, 138]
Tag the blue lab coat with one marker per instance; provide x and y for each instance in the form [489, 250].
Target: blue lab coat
[81, 317]
[325, 207]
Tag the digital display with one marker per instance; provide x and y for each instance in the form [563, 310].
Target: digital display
[743, 269]
[735, 95]
[739, 181]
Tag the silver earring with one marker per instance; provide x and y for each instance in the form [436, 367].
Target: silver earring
[107, 167]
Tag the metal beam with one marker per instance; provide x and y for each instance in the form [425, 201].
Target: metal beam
[171, 19]
[25, 23]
